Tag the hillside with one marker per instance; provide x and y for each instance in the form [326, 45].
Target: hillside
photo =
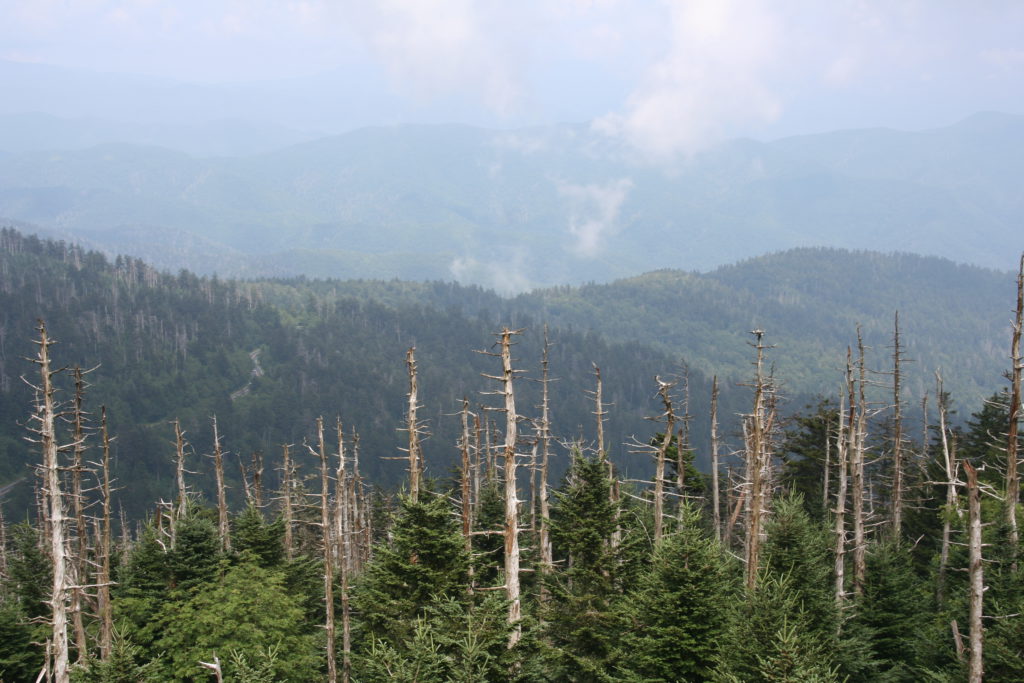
[516, 209]
[167, 347]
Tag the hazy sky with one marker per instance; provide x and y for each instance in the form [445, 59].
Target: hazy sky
[666, 76]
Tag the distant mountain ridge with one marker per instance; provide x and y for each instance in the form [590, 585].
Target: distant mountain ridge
[512, 210]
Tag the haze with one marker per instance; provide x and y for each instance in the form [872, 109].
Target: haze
[667, 77]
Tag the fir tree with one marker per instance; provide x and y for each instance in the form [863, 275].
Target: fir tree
[677, 613]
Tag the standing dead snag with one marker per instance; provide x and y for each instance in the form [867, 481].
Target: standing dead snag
[511, 531]
[325, 528]
[106, 612]
[976, 574]
[544, 434]
[897, 433]
[857, 473]
[844, 431]
[181, 508]
[758, 462]
[286, 497]
[413, 427]
[659, 468]
[716, 510]
[343, 550]
[53, 509]
[222, 504]
[1012, 478]
[78, 565]
[951, 466]
[465, 476]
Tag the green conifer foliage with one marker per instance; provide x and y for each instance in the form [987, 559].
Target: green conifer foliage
[245, 611]
[123, 666]
[426, 560]
[893, 610]
[579, 616]
[677, 614]
[252, 534]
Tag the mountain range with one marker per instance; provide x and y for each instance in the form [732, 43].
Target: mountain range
[514, 210]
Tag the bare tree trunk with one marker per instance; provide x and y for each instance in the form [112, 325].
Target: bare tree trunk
[1012, 478]
[716, 508]
[106, 612]
[179, 469]
[511, 493]
[599, 412]
[827, 469]
[659, 467]
[756, 452]
[222, 502]
[325, 525]
[287, 486]
[949, 460]
[897, 436]
[842, 445]
[78, 565]
[976, 570]
[257, 480]
[546, 557]
[466, 475]
[340, 501]
[54, 508]
[342, 533]
[412, 426]
[477, 458]
[857, 475]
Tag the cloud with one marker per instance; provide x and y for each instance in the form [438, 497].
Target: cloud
[507, 276]
[594, 212]
[712, 76]
[438, 47]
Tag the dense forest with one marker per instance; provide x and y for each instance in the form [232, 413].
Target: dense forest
[285, 480]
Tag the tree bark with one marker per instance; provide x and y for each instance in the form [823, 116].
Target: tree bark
[325, 526]
[897, 436]
[222, 502]
[412, 426]
[976, 572]
[56, 520]
[106, 612]
[716, 509]
[1012, 477]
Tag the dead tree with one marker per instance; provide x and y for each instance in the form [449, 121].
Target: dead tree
[844, 432]
[1012, 478]
[106, 612]
[511, 531]
[466, 485]
[664, 389]
[716, 509]
[544, 434]
[325, 528]
[179, 469]
[342, 533]
[758, 462]
[951, 468]
[897, 432]
[222, 502]
[77, 568]
[44, 428]
[286, 501]
[857, 445]
[413, 427]
[976, 574]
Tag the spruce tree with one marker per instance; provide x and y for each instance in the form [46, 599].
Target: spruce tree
[579, 617]
[677, 614]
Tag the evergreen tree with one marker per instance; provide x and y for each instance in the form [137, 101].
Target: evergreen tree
[425, 561]
[252, 534]
[677, 614]
[579, 616]
[245, 611]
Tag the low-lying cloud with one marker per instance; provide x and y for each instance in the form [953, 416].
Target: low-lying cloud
[594, 212]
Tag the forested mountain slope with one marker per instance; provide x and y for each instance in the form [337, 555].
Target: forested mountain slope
[167, 347]
[533, 207]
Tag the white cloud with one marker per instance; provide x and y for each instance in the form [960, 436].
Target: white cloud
[712, 76]
[507, 276]
[594, 212]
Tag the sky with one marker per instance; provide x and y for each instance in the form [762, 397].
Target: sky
[667, 77]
